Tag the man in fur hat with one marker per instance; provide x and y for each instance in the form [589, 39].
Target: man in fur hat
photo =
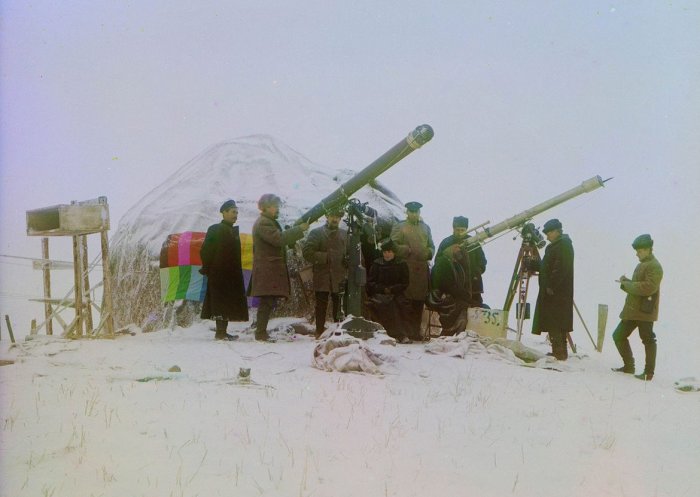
[270, 276]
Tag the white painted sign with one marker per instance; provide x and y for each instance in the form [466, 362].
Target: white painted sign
[487, 322]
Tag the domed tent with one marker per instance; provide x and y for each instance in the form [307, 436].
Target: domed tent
[189, 200]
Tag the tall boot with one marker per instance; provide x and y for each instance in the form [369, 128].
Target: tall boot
[264, 313]
[623, 347]
[559, 346]
[221, 334]
[320, 312]
[649, 362]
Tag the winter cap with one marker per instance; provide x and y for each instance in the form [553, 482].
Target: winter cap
[268, 199]
[460, 222]
[643, 241]
[551, 225]
[413, 206]
[387, 244]
[229, 204]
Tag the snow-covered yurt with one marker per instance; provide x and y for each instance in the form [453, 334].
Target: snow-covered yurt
[188, 202]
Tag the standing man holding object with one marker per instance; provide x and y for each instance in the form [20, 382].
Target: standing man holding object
[413, 243]
[325, 248]
[225, 299]
[270, 276]
[554, 311]
[641, 308]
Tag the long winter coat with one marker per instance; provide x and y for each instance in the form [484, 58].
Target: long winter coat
[270, 276]
[414, 244]
[326, 250]
[221, 262]
[459, 274]
[555, 312]
[646, 282]
[386, 282]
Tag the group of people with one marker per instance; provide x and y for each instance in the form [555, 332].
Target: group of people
[400, 280]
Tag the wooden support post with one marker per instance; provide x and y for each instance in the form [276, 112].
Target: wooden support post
[47, 284]
[77, 277]
[107, 315]
[602, 322]
[9, 328]
[584, 324]
[87, 308]
[32, 330]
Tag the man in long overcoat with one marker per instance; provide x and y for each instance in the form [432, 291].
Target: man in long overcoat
[414, 244]
[270, 276]
[641, 308]
[325, 247]
[225, 299]
[458, 274]
[554, 311]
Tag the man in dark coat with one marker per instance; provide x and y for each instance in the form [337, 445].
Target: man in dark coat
[413, 243]
[225, 299]
[388, 279]
[457, 274]
[641, 308]
[554, 312]
[270, 276]
[325, 248]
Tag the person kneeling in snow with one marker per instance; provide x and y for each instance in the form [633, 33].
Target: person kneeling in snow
[387, 280]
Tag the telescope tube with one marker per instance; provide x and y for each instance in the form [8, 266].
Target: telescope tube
[415, 139]
[519, 219]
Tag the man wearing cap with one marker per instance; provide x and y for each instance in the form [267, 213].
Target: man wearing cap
[641, 308]
[270, 276]
[325, 248]
[414, 244]
[386, 283]
[225, 299]
[458, 273]
[554, 311]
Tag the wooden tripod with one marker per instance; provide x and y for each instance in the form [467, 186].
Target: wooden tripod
[525, 266]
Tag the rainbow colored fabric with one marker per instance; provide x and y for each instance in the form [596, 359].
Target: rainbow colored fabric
[180, 263]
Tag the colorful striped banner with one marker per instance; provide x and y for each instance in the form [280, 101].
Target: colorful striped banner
[182, 283]
[180, 263]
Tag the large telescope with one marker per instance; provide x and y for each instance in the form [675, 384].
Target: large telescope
[340, 197]
[337, 200]
[519, 219]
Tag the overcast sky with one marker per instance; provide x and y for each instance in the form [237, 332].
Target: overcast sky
[527, 100]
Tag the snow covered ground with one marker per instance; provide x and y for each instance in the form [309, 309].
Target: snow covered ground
[108, 418]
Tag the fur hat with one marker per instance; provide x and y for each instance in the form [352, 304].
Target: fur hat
[268, 199]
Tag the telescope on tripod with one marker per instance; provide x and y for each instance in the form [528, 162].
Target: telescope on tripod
[493, 321]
